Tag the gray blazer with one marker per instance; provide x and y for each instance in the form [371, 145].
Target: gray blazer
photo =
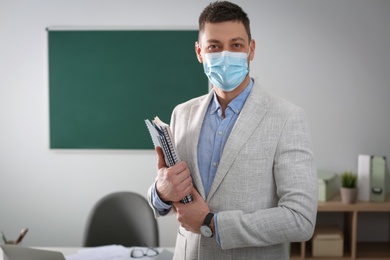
[265, 189]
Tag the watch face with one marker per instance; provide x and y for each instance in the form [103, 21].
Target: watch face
[206, 231]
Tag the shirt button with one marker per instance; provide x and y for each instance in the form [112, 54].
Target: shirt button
[215, 164]
[220, 132]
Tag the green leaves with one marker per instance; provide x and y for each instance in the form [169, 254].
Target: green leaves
[348, 179]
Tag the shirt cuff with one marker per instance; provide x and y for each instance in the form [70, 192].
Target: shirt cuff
[162, 207]
[216, 229]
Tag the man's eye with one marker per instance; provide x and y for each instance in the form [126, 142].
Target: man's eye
[212, 47]
[237, 45]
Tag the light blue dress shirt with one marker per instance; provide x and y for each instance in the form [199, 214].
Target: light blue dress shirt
[215, 130]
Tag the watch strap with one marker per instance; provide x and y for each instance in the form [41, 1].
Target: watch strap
[208, 218]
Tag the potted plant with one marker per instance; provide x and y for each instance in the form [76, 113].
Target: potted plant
[348, 187]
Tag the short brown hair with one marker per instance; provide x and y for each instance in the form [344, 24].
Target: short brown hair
[223, 11]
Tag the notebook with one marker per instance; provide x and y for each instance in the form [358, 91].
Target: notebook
[12, 252]
[162, 136]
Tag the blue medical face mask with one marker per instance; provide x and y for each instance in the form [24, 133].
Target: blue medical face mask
[226, 70]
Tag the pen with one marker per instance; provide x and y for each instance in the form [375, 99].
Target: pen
[21, 236]
[4, 238]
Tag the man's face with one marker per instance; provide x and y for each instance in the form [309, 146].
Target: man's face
[229, 36]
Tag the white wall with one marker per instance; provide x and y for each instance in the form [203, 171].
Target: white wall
[330, 57]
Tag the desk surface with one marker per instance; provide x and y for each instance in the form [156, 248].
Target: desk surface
[72, 250]
[68, 250]
[64, 250]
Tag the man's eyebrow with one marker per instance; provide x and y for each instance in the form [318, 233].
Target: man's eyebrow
[213, 41]
[238, 39]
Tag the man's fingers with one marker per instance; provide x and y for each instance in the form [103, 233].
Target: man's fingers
[160, 158]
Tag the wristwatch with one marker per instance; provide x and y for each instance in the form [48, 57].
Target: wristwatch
[205, 229]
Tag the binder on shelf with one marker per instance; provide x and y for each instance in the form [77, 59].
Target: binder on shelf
[162, 136]
[378, 179]
[328, 185]
[364, 177]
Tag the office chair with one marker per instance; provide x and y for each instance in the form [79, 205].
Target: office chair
[122, 218]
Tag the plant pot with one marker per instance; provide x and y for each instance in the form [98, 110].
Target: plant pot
[348, 195]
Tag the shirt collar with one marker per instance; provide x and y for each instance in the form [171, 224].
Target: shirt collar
[236, 104]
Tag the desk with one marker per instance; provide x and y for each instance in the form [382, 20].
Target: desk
[72, 250]
[69, 250]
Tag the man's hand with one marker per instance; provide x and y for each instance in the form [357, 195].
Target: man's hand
[173, 183]
[191, 215]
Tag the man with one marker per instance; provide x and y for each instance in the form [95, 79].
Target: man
[247, 156]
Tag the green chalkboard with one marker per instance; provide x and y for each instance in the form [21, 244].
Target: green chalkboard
[104, 83]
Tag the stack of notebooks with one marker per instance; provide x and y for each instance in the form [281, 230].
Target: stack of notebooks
[162, 136]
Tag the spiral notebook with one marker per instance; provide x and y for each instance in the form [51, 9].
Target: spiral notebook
[162, 136]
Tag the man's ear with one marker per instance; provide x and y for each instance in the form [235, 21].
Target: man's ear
[252, 48]
[197, 51]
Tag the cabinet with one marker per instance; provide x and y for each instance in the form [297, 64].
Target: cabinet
[349, 214]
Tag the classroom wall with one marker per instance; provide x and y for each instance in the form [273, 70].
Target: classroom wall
[330, 57]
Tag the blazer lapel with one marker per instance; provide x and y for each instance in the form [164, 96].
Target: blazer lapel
[197, 114]
[250, 117]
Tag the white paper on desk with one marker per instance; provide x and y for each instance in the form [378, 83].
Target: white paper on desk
[111, 252]
[115, 252]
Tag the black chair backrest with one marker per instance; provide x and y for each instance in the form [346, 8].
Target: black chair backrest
[122, 218]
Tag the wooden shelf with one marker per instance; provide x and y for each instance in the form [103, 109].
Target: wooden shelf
[335, 205]
[353, 249]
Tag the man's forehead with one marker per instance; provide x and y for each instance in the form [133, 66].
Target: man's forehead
[235, 39]
[224, 31]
